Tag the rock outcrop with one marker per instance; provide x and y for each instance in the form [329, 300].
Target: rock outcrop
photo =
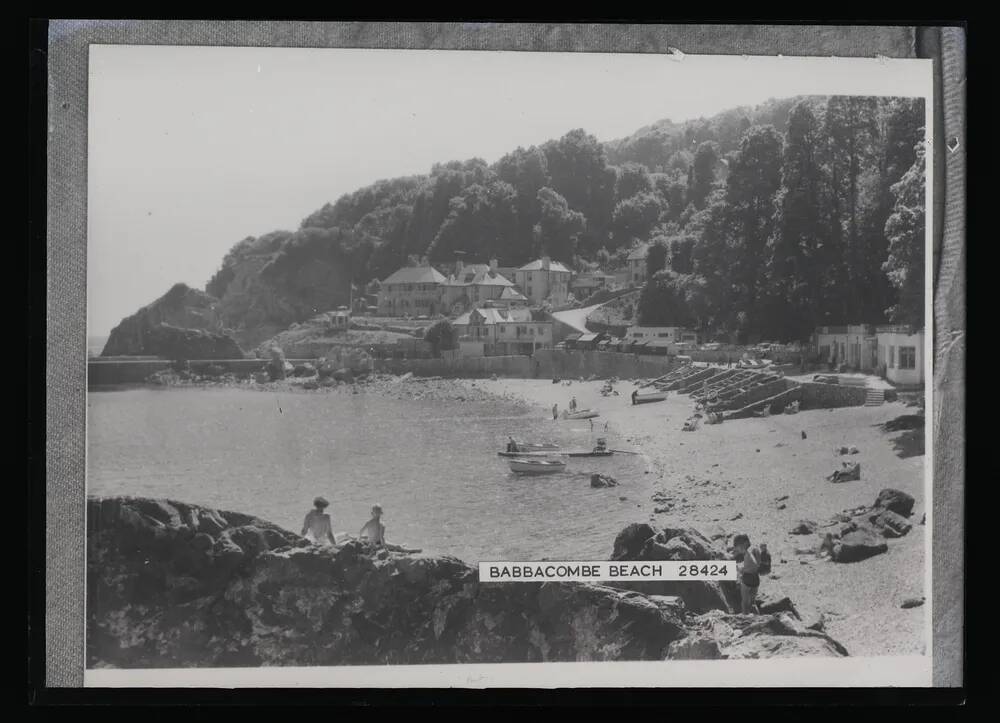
[181, 309]
[174, 585]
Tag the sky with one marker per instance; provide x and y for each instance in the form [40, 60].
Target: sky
[192, 149]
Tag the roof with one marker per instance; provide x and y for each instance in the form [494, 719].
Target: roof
[416, 275]
[536, 265]
[479, 275]
[493, 315]
[511, 293]
[587, 337]
[639, 252]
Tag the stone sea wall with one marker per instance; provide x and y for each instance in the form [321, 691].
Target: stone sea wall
[171, 584]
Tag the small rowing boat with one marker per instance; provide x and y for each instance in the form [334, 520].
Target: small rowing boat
[581, 414]
[643, 398]
[526, 465]
[536, 446]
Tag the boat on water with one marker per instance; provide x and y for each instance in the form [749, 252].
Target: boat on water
[527, 465]
[646, 397]
[580, 414]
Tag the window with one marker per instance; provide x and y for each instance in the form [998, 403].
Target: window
[664, 333]
[892, 357]
[907, 357]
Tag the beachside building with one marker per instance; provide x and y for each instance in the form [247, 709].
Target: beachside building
[340, 320]
[503, 331]
[662, 334]
[473, 285]
[411, 291]
[637, 265]
[901, 354]
[510, 298]
[544, 280]
[854, 346]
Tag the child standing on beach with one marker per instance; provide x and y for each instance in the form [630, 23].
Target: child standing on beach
[748, 568]
[317, 525]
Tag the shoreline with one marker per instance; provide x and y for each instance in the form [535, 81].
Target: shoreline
[760, 477]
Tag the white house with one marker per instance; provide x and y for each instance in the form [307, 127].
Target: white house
[504, 331]
[544, 280]
[901, 354]
[471, 285]
[854, 345]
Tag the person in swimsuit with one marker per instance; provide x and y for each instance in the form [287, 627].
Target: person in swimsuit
[317, 525]
[374, 530]
[748, 568]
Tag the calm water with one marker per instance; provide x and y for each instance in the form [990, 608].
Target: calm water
[432, 465]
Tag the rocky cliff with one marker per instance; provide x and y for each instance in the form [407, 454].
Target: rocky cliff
[173, 585]
[184, 323]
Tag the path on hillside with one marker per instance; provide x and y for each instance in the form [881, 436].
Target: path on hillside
[576, 318]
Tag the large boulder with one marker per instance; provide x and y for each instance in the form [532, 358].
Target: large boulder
[895, 501]
[631, 540]
[602, 480]
[172, 342]
[858, 545]
[889, 523]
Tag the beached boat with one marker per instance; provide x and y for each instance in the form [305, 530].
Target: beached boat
[645, 397]
[580, 414]
[527, 465]
[578, 453]
[536, 446]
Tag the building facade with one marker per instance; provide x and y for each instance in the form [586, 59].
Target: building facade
[544, 280]
[854, 346]
[901, 354]
[503, 331]
[473, 285]
[411, 291]
[637, 265]
[662, 334]
[586, 284]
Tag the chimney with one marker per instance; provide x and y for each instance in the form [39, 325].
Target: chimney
[459, 266]
[493, 266]
[546, 262]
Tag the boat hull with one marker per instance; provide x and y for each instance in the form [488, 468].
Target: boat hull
[585, 414]
[646, 399]
[532, 466]
[516, 455]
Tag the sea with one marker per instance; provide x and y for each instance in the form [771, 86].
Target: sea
[431, 464]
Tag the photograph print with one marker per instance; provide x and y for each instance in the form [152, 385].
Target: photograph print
[407, 360]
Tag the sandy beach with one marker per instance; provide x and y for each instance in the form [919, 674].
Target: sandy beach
[759, 476]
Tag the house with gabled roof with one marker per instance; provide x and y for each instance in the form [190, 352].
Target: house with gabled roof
[544, 280]
[411, 291]
[473, 285]
[637, 265]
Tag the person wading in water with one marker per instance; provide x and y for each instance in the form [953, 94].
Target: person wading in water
[317, 525]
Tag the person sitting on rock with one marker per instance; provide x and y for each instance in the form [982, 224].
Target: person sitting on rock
[317, 525]
[374, 530]
[748, 569]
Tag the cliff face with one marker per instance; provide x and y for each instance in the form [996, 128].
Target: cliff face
[184, 323]
[175, 585]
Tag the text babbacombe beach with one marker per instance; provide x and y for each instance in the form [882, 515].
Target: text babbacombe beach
[596, 570]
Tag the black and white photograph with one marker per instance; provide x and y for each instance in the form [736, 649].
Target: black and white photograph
[485, 368]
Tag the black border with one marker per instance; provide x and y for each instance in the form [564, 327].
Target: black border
[40, 695]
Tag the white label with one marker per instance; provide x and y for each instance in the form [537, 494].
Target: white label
[599, 570]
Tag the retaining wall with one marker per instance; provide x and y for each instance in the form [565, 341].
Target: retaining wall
[825, 396]
[480, 366]
[603, 364]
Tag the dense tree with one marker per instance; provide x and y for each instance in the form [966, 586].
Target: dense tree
[753, 182]
[558, 228]
[701, 177]
[656, 259]
[905, 230]
[442, 336]
[635, 217]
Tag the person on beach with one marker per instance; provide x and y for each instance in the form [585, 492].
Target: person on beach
[555, 411]
[591, 426]
[374, 530]
[317, 525]
[635, 394]
[748, 569]
[511, 445]
[572, 404]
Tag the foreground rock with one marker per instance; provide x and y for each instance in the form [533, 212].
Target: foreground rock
[171, 585]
